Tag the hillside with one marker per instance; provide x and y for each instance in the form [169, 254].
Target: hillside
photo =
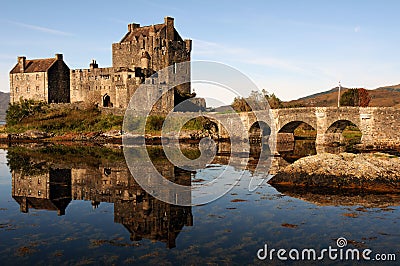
[4, 100]
[383, 96]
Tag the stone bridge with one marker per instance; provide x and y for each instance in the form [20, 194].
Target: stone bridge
[380, 126]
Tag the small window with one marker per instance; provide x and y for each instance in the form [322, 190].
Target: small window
[129, 76]
[37, 76]
[16, 89]
[37, 88]
[28, 89]
[39, 193]
[16, 78]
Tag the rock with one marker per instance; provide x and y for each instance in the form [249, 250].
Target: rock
[370, 171]
[32, 135]
[112, 134]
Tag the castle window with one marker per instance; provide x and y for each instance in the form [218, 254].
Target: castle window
[16, 89]
[39, 193]
[37, 88]
[37, 76]
[28, 89]
[16, 78]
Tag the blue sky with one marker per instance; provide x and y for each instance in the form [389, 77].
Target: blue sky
[290, 48]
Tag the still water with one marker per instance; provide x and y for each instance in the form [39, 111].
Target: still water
[81, 206]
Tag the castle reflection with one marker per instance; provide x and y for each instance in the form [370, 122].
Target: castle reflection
[45, 179]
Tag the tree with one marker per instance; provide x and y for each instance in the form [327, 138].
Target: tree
[17, 111]
[274, 102]
[355, 97]
[256, 101]
[240, 105]
[363, 97]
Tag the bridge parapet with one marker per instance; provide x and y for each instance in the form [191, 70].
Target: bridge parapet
[378, 125]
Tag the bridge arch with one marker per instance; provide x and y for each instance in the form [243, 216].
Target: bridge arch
[296, 139]
[209, 126]
[334, 133]
[259, 129]
[293, 125]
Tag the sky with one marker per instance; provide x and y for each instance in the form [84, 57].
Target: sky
[290, 48]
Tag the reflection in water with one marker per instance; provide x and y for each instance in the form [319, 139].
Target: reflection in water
[332, 197]
[230, 230]
[292, 151]
[41, 186]
[50, 190]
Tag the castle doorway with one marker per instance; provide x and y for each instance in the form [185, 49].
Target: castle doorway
[106, 101]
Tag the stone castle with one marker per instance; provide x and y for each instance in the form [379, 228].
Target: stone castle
[142, 52]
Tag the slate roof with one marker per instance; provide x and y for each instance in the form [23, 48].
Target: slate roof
[36, 65]
[144, 31]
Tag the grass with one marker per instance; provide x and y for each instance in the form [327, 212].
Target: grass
[66, 120]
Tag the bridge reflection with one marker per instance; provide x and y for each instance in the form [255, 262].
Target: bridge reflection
[50, 177]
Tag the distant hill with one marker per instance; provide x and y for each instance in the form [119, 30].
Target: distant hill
[4, 100]
[383, 96]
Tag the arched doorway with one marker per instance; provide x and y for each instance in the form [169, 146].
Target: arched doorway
[107, 101]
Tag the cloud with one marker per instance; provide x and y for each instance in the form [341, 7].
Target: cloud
[202, 47]
[242, 55]
[41, 29]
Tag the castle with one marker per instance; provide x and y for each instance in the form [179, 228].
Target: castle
[141, 52]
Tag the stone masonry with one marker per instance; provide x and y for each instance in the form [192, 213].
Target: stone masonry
[41, 80]
[141, 53]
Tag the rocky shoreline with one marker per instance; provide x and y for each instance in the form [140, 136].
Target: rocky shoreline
[377, 172]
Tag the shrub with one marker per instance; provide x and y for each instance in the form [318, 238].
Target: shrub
[16, 112]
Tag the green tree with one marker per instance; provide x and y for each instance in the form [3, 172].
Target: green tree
[17, 111]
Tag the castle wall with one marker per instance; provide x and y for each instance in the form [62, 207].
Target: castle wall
[28, 86]
[58, 83]
[142, 52]
[90, 85]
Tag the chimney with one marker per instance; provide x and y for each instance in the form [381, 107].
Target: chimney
[59, 56]
[169, 22]
[188, 45]
[22, 63]
[93, 64]
[133, 26]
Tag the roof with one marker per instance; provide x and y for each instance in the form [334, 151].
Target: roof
[44, 204]
[36, 65]
[144, 31]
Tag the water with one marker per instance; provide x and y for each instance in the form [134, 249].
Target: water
[90, 210]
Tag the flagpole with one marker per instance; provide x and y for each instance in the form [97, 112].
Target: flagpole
[338, 98]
